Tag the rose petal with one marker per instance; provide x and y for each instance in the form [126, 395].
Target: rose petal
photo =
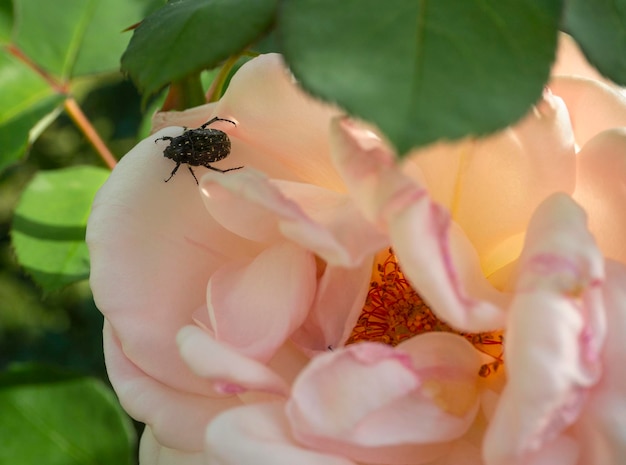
[339, 299]
[593, 106]
[259, 435]
[318, 219]
[555, 333]
[217, 362]
[449, 365]
[571, 61]
[599, 188]
[280, 130]
[602, 426]
[153, 248]
[562, 451]
[151, 452]
[368, 400]
[190, 118]
[254, 306]
[177, 418]
[357, 241]
[521, 165]
[438, 260]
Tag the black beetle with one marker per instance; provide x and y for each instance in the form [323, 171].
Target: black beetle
[198, 147]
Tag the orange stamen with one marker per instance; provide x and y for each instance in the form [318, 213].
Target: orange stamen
[394, 312]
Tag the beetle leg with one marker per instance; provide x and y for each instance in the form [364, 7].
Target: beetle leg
[163, 138]
[222, 171]
[214, 120]
[174, 172]
[193, 174]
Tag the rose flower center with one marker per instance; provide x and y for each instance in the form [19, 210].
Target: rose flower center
[394, 312]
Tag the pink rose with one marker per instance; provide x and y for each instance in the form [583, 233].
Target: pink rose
[258, 260]
[522, 231]
[246, 325]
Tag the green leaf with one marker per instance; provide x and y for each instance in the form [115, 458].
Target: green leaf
[423, 70]
[68, 38]
[56, 418]
[49, 224]
[599, 27]
[26, 98]
[6, 20]
[187, 36]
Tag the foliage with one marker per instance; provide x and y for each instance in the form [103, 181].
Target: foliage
[421, 71]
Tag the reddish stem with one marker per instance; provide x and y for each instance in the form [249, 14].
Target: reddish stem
[88, 130]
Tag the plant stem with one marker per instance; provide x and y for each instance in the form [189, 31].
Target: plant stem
[215, 91]
[89, 131]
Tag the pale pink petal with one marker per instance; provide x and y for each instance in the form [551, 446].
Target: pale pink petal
[570, 61]
[564, 450]
[602, 426]
[259, 434]
[435, 256]
[369, 400]
[493, 184]
[280, 130]
[177, 418]
[245, 203]
[191, 118]
[318, 219]
[592, 105]
[255, 305]
[449, 366]
[555, 334]
[224, 365]
[153, 248]
[153, 453]
[357, 240]
[599, 189]
[339, 300]
[443, 267]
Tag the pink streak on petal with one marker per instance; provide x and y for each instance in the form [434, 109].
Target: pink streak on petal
[522, 164]
[442, 266]
[600, 189]
[255, 305]
[357, 241]
[245, 203]
[370, 395]
[218, 362]
[319, 219]
[260, 435]
[555, 334]
[176, 417]
[601, 430]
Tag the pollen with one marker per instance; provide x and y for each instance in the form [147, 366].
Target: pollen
[394, 312]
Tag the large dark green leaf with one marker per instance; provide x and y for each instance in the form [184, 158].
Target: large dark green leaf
[187, 36]
[56, 418]
[599, 26]
[49, 224]
[75, 37]
[423, 70]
